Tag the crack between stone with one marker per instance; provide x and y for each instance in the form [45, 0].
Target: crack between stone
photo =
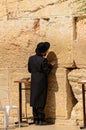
[38, 8]
[41, 7]
[50, 4]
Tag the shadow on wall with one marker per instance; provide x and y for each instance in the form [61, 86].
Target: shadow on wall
[50, 109]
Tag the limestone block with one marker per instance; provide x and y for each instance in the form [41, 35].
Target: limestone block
[79, 52]
[33, 8]
[12, 9]
[3, 15]
[58, 94]
[15, 9]
[54, 9]
[74, 76]
[20, 38]
[59, 34]
[17, 42]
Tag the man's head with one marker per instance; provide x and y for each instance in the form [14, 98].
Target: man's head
[42, 48]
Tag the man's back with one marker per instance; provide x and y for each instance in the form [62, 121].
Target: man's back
[34, 64]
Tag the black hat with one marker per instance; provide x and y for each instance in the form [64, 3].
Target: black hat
[42, 47]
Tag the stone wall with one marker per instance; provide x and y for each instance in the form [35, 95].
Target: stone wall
[74, 76]
[24, 23]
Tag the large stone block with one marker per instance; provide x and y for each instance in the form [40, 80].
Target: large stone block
[3, 10]
[58, 105]
[17, 43]
[79, 51]
[77, 111]
[59, 34]
[37, 9]
[21, 37]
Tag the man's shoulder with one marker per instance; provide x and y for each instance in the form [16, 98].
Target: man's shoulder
[36, 57]
[31, 56]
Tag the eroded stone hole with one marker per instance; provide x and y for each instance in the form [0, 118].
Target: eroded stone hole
[46, 19]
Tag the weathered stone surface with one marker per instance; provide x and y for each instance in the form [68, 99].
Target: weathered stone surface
[60, 41]
[74, 76]
[25, 8]
[20, 38]
[80, 44]
[24, 23]
[18, 43]
[58, 94]
[3, 10]
[14, 9]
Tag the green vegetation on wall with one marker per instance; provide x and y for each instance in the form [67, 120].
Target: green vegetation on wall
[81, 6]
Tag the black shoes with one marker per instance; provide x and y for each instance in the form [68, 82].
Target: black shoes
[36, 122]
[42, 123]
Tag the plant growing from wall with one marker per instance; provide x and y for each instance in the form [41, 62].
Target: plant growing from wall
[81, 6]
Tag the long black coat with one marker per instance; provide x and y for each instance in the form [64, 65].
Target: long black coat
[39, 69]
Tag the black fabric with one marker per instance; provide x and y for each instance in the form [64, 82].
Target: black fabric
[38, 114]
[35, 114]
[39, 68]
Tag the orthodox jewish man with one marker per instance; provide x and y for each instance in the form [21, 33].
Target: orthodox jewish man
[39, 68]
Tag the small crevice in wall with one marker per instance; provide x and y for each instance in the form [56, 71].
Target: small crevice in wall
[36, 25]
[74, 28]
[46, 19]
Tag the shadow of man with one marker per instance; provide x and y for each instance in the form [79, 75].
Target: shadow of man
[50, 108]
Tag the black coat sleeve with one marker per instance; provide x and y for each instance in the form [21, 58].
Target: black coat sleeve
[46, 67]
[29, 66]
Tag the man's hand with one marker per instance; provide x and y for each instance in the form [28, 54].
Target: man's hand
[53, 62]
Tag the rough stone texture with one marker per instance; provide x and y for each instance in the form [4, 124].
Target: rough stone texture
[60, 41]
[56, 95]
[74, 76]
[24, 23]
[33, 8]
[23, 35]
[80, 43]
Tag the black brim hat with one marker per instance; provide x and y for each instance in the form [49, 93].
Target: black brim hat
[42, 47]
